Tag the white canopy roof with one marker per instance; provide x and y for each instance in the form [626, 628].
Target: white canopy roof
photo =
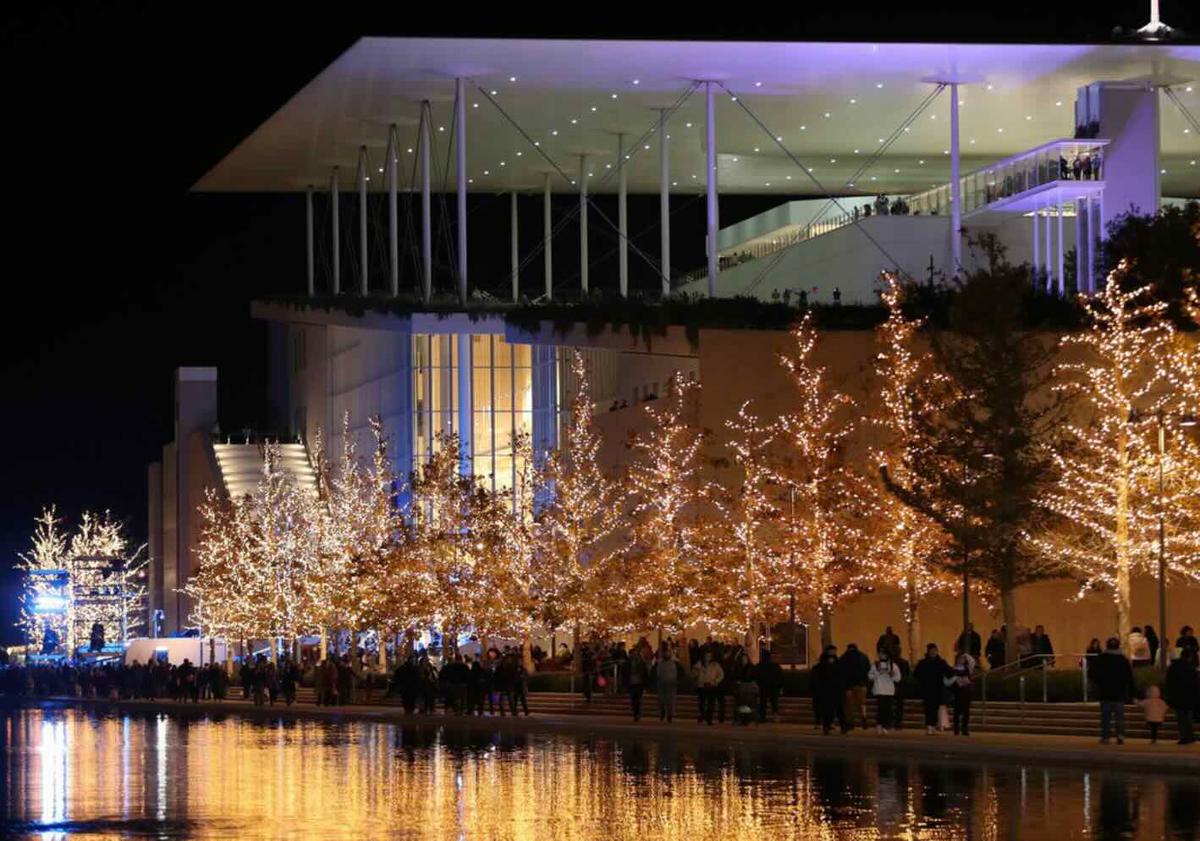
[830, 103]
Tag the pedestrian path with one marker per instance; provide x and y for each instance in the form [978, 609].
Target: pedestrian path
[1021, 747]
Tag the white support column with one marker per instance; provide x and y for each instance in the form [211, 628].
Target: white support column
[583, 226]
[547, 234]
[711, 208]
[393, 153]
[363, 170]
[466, 415]
[1049, 251]
[337, 233]
[1080, 245]
[1062, 282]
[622, 220]
[664, 201]
[514, 249]
[955, 187]
[1037, 251]
[461, 173]
[426, 213]
[308, 241]
[1095, 235]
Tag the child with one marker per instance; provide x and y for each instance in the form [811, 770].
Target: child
[1154, 710]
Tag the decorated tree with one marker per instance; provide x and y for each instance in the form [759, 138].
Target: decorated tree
[101, 583]
[219, 589]
[447, 508]
[666, 563]
[751, 585]
[573, 528]
[823, 535]
[1128, 375]
[909, 549]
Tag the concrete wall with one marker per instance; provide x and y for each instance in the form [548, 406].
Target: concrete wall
[847, 259]
[154, 542]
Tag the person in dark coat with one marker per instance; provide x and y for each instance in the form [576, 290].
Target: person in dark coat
[931, 674]
[901, 693]
[1183, 693]
[856, 668]
[1042, 647]
[827, 691]
[995, 650]
[769, 675]
[1151, 640]
[969, 642]
[1114, 688]
[889, 642]
[639, 678]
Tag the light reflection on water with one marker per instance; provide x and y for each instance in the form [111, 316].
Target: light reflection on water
[72, 774]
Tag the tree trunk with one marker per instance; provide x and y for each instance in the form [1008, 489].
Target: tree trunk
[1008, 607]
[527, 652]
[383, 658]
[1124, 624]
[576, 655]
[913, 611]
[826, 618]
[324, 650]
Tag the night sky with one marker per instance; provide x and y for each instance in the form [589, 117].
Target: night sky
[114, 274]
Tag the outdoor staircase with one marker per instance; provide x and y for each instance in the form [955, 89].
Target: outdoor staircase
[1030, 718]
[241, 466]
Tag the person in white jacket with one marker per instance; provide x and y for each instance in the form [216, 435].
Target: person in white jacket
[884, 677]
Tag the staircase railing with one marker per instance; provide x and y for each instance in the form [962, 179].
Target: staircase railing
[1022, 669]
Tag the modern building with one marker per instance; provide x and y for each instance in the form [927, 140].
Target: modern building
[883, 156]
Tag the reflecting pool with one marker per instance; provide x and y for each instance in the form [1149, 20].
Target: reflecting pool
[74, 774]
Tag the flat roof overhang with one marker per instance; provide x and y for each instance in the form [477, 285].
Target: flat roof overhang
[831, 103]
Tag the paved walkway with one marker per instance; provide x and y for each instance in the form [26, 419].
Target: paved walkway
[1008, 747]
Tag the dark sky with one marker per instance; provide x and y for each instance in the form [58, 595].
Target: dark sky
[113, 274]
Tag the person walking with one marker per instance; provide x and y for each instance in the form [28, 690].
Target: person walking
[1114, 688]
[889, 642]
[639, 676]
[769, 676]
[855, 668]
[666, 683]
[1183, 693]
[995, 649]
[959, 682]
[1151, 640]
[827, 691]
[931, 674]
[1139, 648]
[1154, 711]
[969, 642]
[884, 675]
[708, 674]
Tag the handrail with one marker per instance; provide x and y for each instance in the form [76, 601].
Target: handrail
[1022, 667]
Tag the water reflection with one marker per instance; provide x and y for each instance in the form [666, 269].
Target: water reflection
[69, 774]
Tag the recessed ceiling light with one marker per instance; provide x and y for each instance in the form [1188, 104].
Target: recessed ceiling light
[933, 116]
[519, 154]
[872, 177]
[637, 81]
[613, 96]
[999, 131]
[768, 183]
[921, 163]
[826, 113]
[590, 174]
[512, 78]
[879, 84]
[410, 151]
[554, 132]
[368, 178]
[502, 163]
[896, 171]
[989, 87]
[626, 157]
[972, 141]
[647, 146]
[593, 108]
[487, 172]
[759, 84]
[856, 151]
[1162, 172]
[906, 128]
[574, 121]
[495, 93]
[693, 176]
[789, 178]
[1029, 116]
[735, 160]
[853, 101]
[1059, 103]
[608, 166]
[470, 180]
[674, 183]
[537, 143]
[780, 139]
[474, 104]
[1191, 163]
[733, 99]
[441, 128]
[881, 140]
[381, 169]
[945, 151]
[687, 125]
[962, 102]
[755, 148]
[833, 160]
[1188, 89]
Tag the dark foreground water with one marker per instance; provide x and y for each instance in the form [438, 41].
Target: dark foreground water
[73, 774]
